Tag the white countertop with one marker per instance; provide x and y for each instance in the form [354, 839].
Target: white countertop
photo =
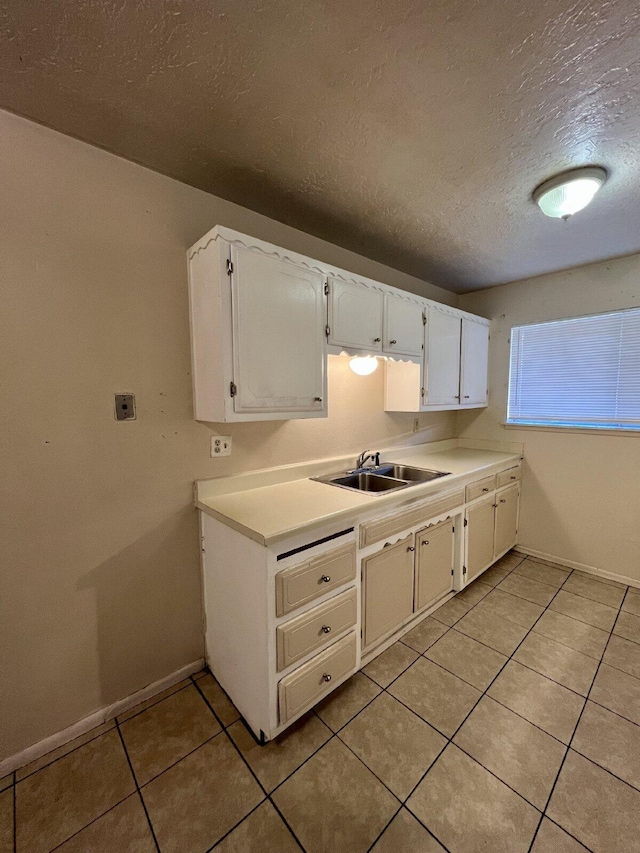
[271, 505]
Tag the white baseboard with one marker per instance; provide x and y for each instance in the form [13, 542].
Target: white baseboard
[31, 753]
[571, 564]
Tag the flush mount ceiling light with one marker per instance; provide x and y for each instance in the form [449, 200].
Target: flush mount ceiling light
[567, 193]
[363, 365]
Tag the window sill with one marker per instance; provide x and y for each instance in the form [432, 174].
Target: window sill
[573, 429]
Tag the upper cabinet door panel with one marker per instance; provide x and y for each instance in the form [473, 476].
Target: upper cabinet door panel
[403, 326]
[278, 334]
[442, 359]
[474, 363]
[355, 316]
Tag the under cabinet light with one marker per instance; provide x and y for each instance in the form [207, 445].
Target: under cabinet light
[363, 365]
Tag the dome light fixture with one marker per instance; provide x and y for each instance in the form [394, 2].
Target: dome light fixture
[363, 365]
[568, 192]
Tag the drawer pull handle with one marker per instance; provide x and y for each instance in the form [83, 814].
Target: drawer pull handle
[325, 578]
[326, 677]
[513, 478]
[502, 501]
[410, 548]
[326, 629]
[466, 396]
[426, 542]
[485, 490]
[377, 340]
[317, 399]
[494, 505]
[393, 342]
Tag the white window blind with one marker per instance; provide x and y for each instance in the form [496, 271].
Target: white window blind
[583, 372]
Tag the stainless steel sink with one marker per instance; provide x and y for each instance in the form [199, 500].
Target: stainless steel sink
[407, 472]
[384, 478]
[363, 481]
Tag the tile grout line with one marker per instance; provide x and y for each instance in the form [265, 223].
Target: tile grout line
[575, 729]
[15, 815]
[484, 693]
[91, 822]
[135, 782]
[267, 795]
[449, 740]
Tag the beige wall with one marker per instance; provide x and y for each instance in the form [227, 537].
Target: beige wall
[581, 492]
[100, 582]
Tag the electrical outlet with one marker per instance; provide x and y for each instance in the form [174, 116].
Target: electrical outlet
[416, 424]
[221, 445]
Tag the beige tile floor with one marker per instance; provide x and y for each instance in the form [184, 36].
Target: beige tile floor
[507, 721]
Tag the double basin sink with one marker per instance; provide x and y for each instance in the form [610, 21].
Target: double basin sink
[388, 477]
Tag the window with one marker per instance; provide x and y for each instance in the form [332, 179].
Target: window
[583, 372]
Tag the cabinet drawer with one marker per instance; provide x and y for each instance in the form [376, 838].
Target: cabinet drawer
[511, 475]
[480, 488]
[306, 581]
[299, 636]
[307, 684]
[381, 528]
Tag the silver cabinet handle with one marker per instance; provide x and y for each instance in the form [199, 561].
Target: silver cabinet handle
[513, 478]
[426, 542]
[317, 399]
[466, 396]
[377, 340]
[393, 342]
[326, 629]
[325, 578]
[410, 548]
[326, 677]
[502, 501]
[494, 505]
[485, 490]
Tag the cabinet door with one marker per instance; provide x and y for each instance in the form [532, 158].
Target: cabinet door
[506, 519]
[434, 563]
[442, 359]
[355, 316]
[403, 326]
[278, 335]
[479, 547]
[474, 363]
[388, 589]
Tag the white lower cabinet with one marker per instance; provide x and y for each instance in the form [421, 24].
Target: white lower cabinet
[491, 529]
[480, 520]
[434, 563]
[307, 684]
[387, 578]
[506, 529]
[288, 623]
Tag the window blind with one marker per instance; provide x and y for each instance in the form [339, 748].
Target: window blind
[582, 372]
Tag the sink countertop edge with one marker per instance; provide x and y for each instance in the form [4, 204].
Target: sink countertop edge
[259, 522]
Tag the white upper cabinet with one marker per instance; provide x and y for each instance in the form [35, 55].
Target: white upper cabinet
[278, 324]
[263, 320]
[257, 331]
[442, 359]
[355, 316]
[403, 326]
[474, 360]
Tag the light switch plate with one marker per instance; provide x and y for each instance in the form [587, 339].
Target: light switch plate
[221, 445]
[125, 407]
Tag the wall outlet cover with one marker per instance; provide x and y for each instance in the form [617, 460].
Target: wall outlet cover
[125, 407]
[221, 445]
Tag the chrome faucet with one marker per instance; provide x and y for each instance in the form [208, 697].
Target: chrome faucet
[365, 455]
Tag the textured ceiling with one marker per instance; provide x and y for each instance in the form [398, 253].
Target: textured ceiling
[411, 132]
